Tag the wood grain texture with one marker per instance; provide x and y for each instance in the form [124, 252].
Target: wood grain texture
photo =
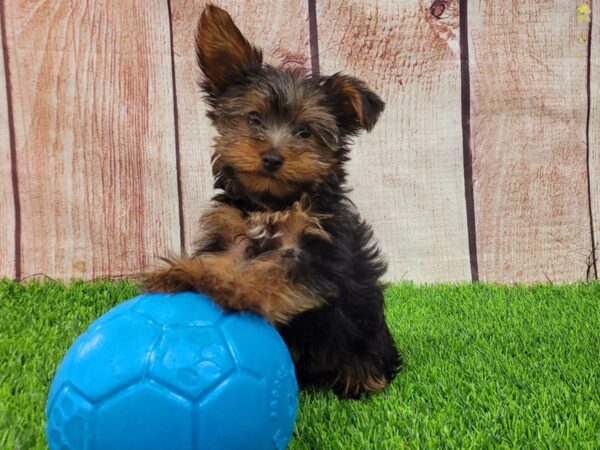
[93, 106]
[528, 122]
[7, 204]
[594, 130]
[280, 28]
[408, 173]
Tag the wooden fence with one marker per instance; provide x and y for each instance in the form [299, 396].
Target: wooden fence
[485, 164]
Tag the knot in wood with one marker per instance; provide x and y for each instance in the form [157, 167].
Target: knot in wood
[437, 8]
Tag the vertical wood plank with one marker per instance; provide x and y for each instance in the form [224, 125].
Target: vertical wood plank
[280, 28]
[528, 118]
[93, 107]
[7, 205]
[594, 128]
[408, 173]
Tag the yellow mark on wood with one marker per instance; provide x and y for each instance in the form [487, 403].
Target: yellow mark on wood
[584, 12]
[584, 9]
[582, 38]
[80, 266]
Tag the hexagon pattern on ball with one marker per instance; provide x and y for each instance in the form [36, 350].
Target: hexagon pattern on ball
[191, 360]
[236, 332]
[124, 421]
[173, 372]
[182, 309]
[68, 423]
[98, 370]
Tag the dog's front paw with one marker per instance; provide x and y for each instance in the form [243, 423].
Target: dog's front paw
[281, 229]
[176, 275]
[264, 234]
[164, 280]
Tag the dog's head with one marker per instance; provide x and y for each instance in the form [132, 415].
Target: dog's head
[280, 132]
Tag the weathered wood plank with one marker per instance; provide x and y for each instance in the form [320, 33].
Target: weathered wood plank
[528, 118]
[408, 173]
[594, 130]
[280, 28]
[93, 106]
[7, 204]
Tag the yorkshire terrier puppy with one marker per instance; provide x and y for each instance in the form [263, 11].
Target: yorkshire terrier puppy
[282, 239]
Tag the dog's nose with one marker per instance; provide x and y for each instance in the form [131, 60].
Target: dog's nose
[272, 160]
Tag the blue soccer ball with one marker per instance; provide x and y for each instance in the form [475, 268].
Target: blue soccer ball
[173, 372]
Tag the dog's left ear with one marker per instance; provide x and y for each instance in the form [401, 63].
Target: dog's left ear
[355, 106]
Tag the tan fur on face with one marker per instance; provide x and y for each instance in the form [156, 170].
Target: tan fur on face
[244, 157]
[243, 154]
[301, 164]
[239, 145]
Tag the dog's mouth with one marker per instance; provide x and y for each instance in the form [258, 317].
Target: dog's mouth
[266, 174]
[259, 182]
[261, 174]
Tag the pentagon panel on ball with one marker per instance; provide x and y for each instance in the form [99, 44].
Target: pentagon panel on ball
[173, 371]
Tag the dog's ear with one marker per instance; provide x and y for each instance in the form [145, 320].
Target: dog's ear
[355, 105]
[223, 52]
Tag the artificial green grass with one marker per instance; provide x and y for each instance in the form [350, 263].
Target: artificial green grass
[485, 367]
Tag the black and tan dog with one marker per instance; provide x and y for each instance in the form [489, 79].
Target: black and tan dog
[283, 239]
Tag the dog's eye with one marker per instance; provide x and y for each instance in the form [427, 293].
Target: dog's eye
[254, 120]
[303, 131]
